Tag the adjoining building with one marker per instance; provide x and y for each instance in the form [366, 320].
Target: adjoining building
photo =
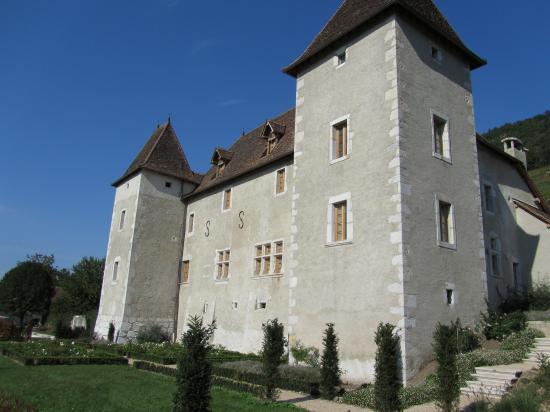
[373, 200]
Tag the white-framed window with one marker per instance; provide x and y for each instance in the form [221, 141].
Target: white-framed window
[191, 224]
[494, 255]
[441, 140]
[116, 265]
[122, 220]
[437, 54]
[489, 197]
[340, 142]
[445, 221]
[280, 181]
[227, 199]
[339, 220]
[268, 258]
[222, 264]
[184, 274]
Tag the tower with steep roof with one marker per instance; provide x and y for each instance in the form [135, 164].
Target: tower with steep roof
[145, 240]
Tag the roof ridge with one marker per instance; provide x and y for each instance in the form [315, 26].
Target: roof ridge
[165, 127]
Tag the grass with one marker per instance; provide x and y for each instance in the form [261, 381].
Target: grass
[109, 388]
[541, 177]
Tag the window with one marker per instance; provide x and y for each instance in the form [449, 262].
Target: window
[489, 198]
[168, 184]
[122, 219]
[220, 169]
[340, 140]
[191, 223]
[446, 230]
[205, 308]
[515, 270]
[260, 304]
[494, 256]
[226, 199]
[436, 54]
[341, 57]
[184, 275]
[222, 264]
[280, 184]
[450, 297]
[115, 271]
[339, 221]
[235, 305]
[264, 256]
[441, 141]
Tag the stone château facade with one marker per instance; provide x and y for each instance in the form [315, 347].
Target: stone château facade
[372, 200]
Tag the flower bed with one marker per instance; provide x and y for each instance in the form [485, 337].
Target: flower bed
[59, 353]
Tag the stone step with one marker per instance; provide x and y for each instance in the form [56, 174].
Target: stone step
[493, 378]
[490, 383]
[498, 370]
[481, 390]
[546, 340]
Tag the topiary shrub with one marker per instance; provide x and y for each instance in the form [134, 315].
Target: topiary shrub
[152, 334]
[444, 346]
[330, 364]
[387, 370]
[307, 355]
[111, 333]
[273, 349]
[194, 375]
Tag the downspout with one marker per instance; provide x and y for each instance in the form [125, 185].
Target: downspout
[180, 262]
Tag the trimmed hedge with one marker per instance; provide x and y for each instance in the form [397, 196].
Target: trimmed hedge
[240, 386]
[96, 359]
[151, 367]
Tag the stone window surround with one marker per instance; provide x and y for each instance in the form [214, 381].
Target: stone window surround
[115, 271]
[341, 119]
[272, 255]
[453, 232]
[230, 200]
[447, 141]
[485, 183]
[343, 197]
[216, 262]
[277, 181]
[498, 253]
[192, 232]
[122, 220]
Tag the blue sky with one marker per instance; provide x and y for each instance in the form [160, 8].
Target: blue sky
[83, 84]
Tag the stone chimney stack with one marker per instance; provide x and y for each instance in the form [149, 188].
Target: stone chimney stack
[514, 147]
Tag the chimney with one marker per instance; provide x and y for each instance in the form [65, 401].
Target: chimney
[514, 147]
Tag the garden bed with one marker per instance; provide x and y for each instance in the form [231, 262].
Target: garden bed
[58, 353]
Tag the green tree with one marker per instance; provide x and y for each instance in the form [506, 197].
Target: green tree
[330, 365]
[194, 374]
[387, 369]
[445, 349]
[272, 350]
[26, 289]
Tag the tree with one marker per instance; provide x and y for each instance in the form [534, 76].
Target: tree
[447, 373]
[194, 374]
[388, 380]
[272, 350]
[330, 367]
[27, 288]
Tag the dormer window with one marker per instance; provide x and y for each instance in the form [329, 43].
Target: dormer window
[220, 159]
[271, 143]
[272, 132]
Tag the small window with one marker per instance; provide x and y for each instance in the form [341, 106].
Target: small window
[441, 142]
[280, 185]
[122, 219]
[235, 305]
[191, 223]
[222, 264]
[184, 272]
[342, 57]
[515, 270]
[446, 223]
[494, 256]
[340, 140]
[227, 199]
[168, 184]
[205, 308]
[339, 222]
[436, 54]
[489, 198]
[450, 297]
[115, 271]
[261, 304]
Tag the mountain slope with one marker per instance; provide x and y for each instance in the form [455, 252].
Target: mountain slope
[541, 177]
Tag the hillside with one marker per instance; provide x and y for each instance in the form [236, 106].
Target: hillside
[541, 177]
[535, 134]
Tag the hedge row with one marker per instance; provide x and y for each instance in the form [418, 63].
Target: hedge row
[172, 360]
[239, 386]
[151, 367]
[52, 360]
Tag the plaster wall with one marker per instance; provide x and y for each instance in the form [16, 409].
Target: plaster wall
[356, 284]
[257, 216]
[540, 233]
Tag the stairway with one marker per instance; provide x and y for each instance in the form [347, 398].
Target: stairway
[542, 347]
[491, 381]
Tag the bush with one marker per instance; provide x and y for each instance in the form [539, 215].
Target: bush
[525, 399]
[272, 350]
[330, 365]
[152, 334]
[111, 333]
[388, 379]
[194, 375]
[467, 339]
[499, 326]
[63, 331]
[521, 341]
[305, 355]
[467, 362]
[539, 297]
[447, 373]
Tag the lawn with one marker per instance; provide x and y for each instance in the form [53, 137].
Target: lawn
[541, 177]
[108, 388]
